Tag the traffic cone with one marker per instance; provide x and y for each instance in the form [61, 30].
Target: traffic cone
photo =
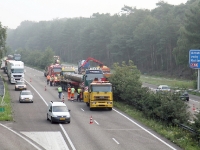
[193, 108]
[63, 100]
[30, 79]
[45, 88]
[91, 121]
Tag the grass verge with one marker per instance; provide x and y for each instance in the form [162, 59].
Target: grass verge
[6, 109]
[175, 134]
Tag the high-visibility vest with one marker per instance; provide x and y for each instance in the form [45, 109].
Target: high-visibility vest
[69, 90]
[72, 90]
[59, 89]
[79, 91]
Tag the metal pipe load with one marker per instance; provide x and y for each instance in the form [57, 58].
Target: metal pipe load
[74, 77]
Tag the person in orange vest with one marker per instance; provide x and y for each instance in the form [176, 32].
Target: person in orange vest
[48, 79]
[69, 93]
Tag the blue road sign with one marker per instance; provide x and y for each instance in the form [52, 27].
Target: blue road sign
[194, 59]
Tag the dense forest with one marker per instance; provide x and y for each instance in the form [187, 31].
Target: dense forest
[157, 41]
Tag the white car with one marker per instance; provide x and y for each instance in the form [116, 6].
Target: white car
[20, 85]
[26, 96]
[163, 88]
[58, 112]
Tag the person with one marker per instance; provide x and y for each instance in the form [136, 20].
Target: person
[48, 79]
[59, 91]
[79, 92]
[55, 80]
[51, 80]
[69, 92]
[72, 93]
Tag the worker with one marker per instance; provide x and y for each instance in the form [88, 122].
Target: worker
[72, 93]
[48, 79]
[55, 80]
[69, 92]
[51, 80]
[59, 92]
[79, 92]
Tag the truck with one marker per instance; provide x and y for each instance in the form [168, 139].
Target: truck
[99, 95]
[53, 70]
[80, 80]
[15, 71]
[9, 57]
[84, 64]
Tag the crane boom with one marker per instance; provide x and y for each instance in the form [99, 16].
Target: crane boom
[91, 59]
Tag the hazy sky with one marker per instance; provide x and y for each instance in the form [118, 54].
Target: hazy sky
[13, 12]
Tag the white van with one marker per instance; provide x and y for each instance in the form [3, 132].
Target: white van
[58, 112]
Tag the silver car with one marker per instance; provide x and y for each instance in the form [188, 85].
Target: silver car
[20, 85]
[26, 96]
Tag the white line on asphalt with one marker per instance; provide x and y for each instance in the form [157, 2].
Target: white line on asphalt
[96, 122]
[194, 100]
[69, 140]
[82, 109]
[145, 129]
[21, 137]
[115, 140]
[72, 145]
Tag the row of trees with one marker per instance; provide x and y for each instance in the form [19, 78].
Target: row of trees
[156, 40]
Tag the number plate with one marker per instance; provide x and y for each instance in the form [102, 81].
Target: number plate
[62, 118]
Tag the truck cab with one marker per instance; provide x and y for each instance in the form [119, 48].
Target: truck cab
[99, 95]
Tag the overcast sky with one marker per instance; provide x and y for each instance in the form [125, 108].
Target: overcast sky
[13, 12]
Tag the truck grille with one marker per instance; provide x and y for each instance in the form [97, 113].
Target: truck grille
[102, 97]
[17, 75]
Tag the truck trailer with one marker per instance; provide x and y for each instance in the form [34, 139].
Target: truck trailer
[15, 71]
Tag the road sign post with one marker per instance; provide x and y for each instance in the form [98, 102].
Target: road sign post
[194, 63]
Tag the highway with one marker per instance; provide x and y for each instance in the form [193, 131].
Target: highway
[111, 130]
[193, 103]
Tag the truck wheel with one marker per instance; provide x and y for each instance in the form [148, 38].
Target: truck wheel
[87, 104]
[109, 109]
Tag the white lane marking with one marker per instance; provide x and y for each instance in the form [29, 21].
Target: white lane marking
[194, 100]
[82, 109]
[59, 124]
[69, 140]
[145, 129]
[48, 140]
[115, 140]
[21, 137]
[96, 122]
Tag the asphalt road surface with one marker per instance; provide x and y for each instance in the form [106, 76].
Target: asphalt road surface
[110, 130]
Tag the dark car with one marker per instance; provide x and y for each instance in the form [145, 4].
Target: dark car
[183, 95]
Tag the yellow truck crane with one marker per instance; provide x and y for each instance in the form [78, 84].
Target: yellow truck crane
[99, 95]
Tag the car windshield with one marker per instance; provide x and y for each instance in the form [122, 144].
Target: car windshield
[165, 87]
[20, 83]
[26, 93]
[60, 109]
[92, 76]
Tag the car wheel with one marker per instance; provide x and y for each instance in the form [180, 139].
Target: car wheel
[51, 120]
[47, 117]
[15, 89]
[187, 99]
[68, 121]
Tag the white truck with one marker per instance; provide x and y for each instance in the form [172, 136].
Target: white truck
[15, 71]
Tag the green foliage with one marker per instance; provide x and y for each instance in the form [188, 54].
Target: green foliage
[125, 80]
[6, 115]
